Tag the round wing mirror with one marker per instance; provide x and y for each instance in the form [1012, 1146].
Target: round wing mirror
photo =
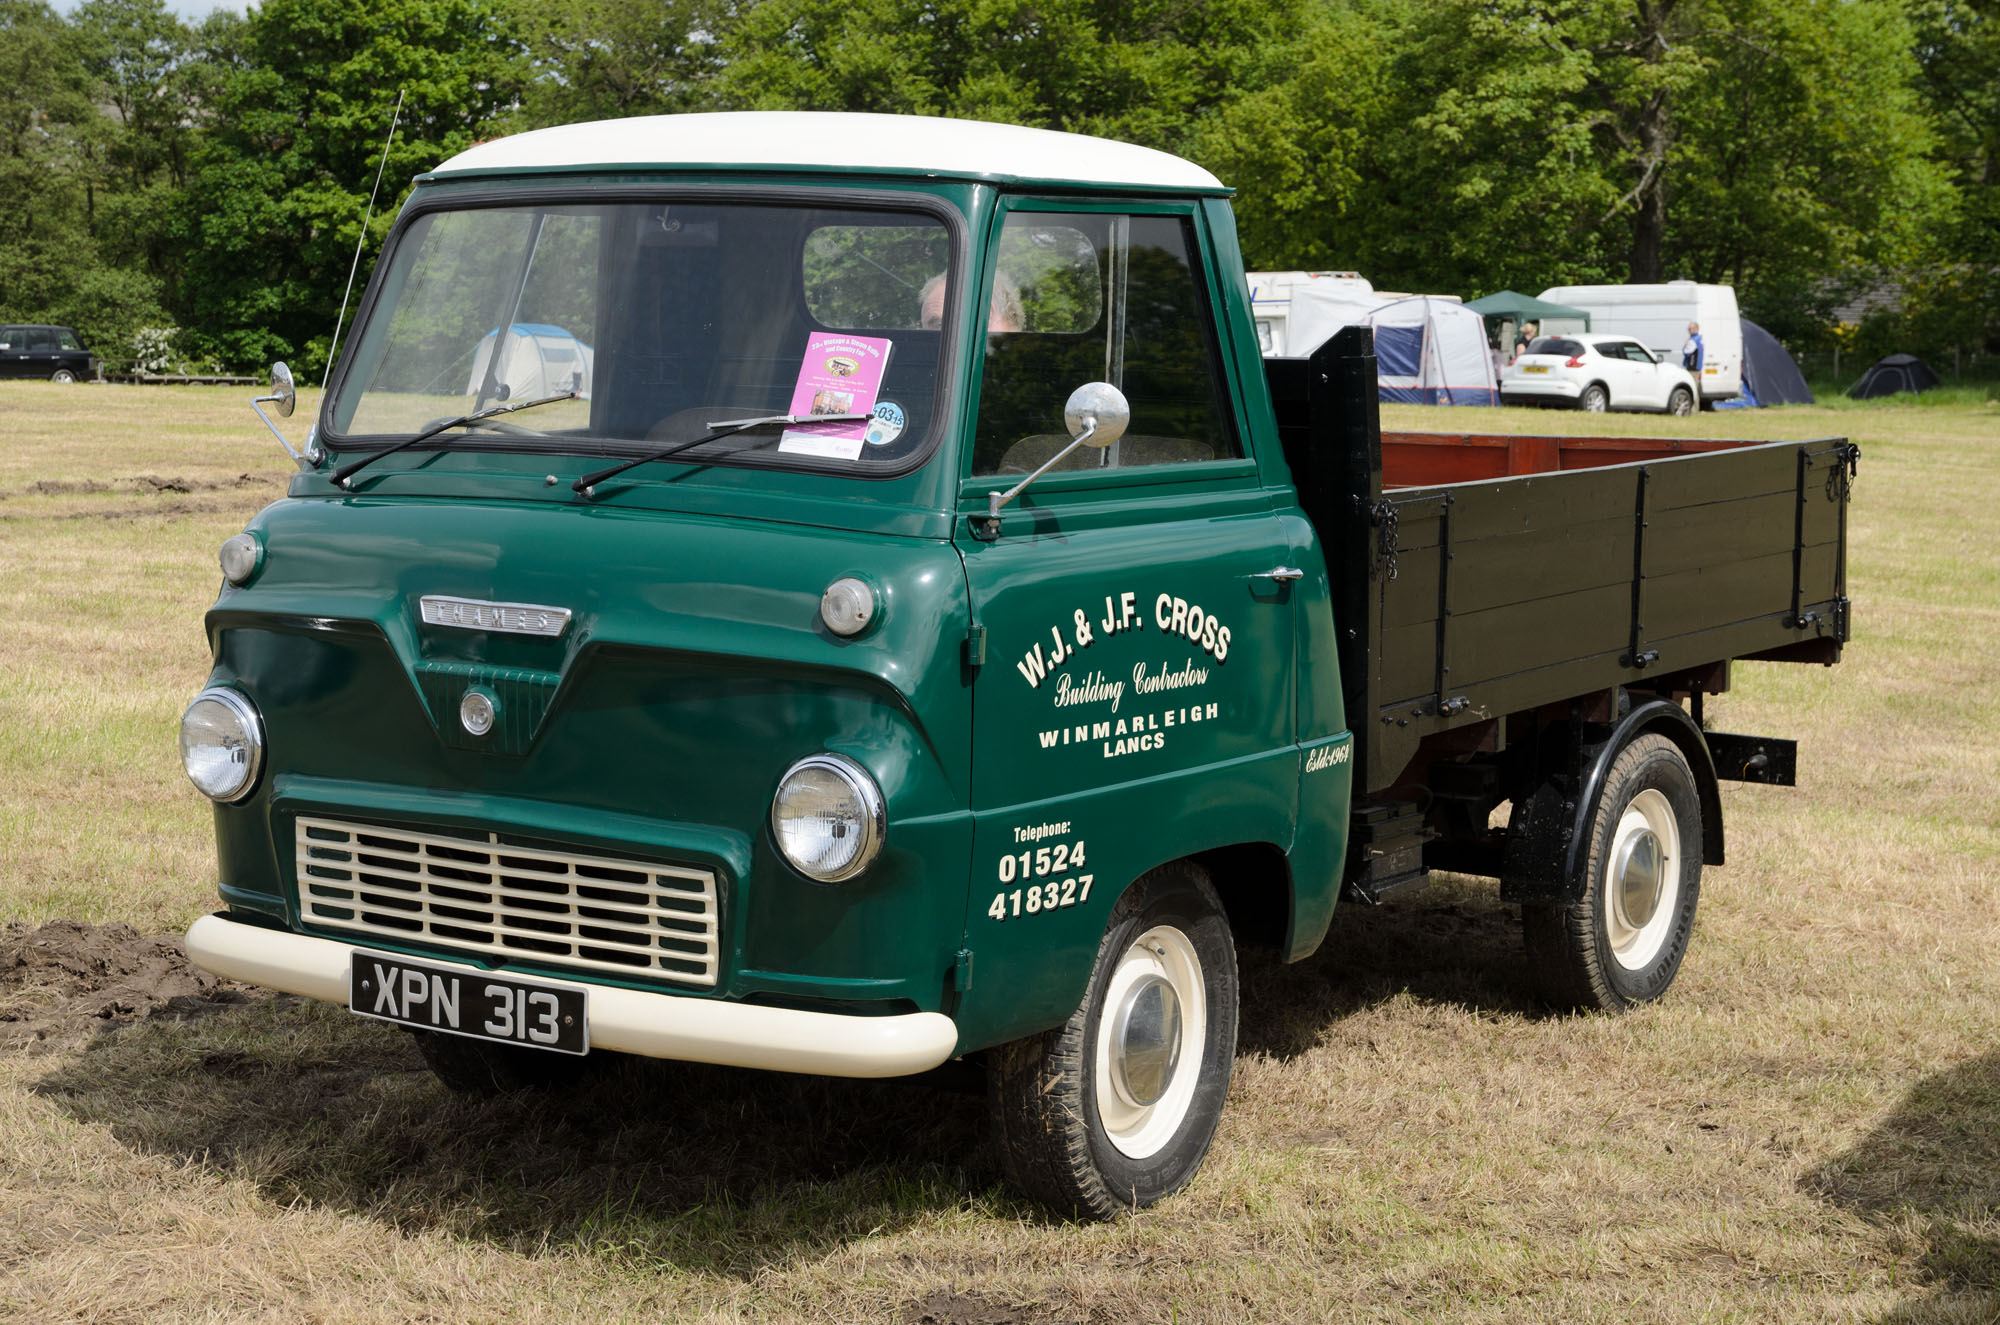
[1097, 414]
[285, 393]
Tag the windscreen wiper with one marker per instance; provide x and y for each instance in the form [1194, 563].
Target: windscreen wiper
[347, 471]
[719, 429]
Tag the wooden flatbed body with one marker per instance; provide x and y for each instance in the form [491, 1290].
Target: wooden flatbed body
[1482, 576]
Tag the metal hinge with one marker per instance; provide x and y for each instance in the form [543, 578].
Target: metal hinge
[961, 970]
[1383, 516]
[975, 646]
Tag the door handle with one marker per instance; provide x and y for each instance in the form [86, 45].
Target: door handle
[1282, 574]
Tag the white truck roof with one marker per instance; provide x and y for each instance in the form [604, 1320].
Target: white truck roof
[838, 141]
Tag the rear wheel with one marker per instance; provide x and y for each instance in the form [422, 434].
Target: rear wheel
[481, 1068]
[1594, 399]
[1681, 402]
[1115, 1108]
[62, 375]
[1621, 944]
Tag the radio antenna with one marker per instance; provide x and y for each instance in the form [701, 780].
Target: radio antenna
[355, 266]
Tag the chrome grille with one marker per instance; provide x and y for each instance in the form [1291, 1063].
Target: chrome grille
[501, 900]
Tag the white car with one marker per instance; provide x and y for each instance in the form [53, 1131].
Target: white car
[1597, 373]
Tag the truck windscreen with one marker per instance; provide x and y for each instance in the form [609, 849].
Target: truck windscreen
[663, 318]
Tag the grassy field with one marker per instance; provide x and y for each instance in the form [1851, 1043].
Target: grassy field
[1808, 1129]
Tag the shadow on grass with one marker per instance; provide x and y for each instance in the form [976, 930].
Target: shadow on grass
[1931, 1173]
[649, 1163]
[674, 1164]
[1448, 941]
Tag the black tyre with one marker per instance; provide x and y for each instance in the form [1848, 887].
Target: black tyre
[481, 1068]
[1115, 1109]
[1594, 399]
[1622, 944]
[62, 375]
[1681, 403]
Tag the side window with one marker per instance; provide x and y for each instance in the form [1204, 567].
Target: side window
[1091, 297]
[42, 339]
[69, 340]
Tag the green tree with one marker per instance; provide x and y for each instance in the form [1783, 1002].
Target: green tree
[276, 198]
[1148, 71]
[1955, 291]
[605, 59]
[52, 268]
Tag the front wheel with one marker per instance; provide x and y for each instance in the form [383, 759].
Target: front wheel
[1115, 1109]
[1621, 944]
[1594, 400]
[1681, 403]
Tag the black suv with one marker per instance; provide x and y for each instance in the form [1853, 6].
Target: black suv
[51, 352]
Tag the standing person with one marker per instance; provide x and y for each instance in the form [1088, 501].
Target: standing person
[1524, 338]
[1691, 352]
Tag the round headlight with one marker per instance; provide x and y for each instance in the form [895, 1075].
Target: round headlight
[827, 818]
[241, 555]
[222, 744]
[847, 606]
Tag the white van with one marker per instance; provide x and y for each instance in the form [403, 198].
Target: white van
[1271, 300]
[1657, 316]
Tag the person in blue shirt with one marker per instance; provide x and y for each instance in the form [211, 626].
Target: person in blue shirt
[1691, 351]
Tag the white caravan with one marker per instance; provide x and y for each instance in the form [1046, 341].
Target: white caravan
[1271, 300]
[1657, 316]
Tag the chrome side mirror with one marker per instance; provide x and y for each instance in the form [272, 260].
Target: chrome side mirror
[284, 395]
[283, 391]
[1097, 415]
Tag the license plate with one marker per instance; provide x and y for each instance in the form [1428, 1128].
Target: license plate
[1534, 368]
[458, 1001]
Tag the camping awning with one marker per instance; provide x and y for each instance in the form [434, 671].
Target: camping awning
[1520, 307]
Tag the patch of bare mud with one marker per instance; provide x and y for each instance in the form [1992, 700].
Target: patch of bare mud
[142, 484]
[66, 980]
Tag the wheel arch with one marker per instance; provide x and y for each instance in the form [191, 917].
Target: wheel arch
[1550, 836]
[1665, 718]
[1254, 881]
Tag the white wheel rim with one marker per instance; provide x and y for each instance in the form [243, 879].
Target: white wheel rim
[1642, 880]
[1593, 402]
[1150, 1037]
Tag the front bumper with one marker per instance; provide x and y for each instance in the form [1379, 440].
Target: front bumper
[695, 1030]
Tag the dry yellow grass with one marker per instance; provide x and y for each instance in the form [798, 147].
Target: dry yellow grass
[1808, 1129]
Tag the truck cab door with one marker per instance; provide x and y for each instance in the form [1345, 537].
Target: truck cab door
[1134, 634]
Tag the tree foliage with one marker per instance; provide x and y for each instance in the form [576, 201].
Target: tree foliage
[218, 173]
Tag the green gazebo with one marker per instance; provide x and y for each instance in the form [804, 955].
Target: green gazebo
[1523, 308]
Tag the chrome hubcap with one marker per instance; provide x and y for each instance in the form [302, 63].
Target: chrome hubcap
[1638, 876]
[1146, 1042]
[1642, 880]
[1148, 1057]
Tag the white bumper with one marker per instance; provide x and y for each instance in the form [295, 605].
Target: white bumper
[695, 1030]
[1564, 388]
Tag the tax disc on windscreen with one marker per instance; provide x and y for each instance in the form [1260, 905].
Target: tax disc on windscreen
[887, 425]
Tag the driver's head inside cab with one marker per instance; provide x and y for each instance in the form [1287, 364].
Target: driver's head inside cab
[1005, 314]
[1099, 297]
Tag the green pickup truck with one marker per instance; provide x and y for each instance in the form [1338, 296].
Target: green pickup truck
[843, 593]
